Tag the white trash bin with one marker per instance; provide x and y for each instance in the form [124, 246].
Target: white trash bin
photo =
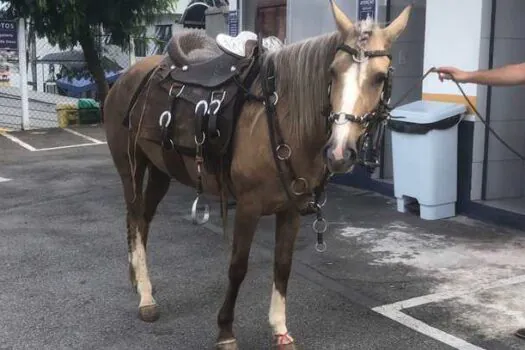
[424, 150]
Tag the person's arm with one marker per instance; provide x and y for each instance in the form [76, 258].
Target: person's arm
[512, 74]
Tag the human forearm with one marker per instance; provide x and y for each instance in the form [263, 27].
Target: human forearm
[513, 74]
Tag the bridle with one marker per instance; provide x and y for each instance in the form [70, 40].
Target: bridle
[369, 142]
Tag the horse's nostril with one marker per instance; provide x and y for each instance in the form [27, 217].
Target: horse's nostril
[353, 154]
[350, 154]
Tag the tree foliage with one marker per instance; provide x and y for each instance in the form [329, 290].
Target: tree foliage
[68, 23]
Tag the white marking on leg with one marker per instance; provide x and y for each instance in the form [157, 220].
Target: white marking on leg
[138, 260]
[353, 80]
[278, 315]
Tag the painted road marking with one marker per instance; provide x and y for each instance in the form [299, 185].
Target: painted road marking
[3, 179]
[425, 329]
[89, 138]
[437, 297]
[18, 141]
[70, 146]
[27, 146]
[393, 311]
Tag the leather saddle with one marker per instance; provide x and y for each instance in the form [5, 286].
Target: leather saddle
[205, 84]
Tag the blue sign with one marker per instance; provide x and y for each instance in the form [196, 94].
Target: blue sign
[366, 8]
[8, 35]
[233, 23]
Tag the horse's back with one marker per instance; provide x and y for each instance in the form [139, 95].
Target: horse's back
[120, 95]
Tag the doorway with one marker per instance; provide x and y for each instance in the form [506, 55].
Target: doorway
[270, 18]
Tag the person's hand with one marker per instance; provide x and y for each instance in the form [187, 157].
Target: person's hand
[447, 73]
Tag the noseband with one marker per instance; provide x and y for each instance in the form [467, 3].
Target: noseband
[369, 143]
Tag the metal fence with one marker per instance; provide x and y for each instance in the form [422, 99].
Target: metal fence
[58, 78]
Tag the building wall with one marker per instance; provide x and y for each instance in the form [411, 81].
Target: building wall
[407, 57]
[506, 172]
[302, 16]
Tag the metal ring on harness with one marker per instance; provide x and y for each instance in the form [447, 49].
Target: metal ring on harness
[294, 184]
[362, 57]
[383, 98]
[345, 120]
[200, 143]
[286, 148]
[201, 103]
[178, 93]
[320, 247]
[320, 225]
[165, 114]
[218, 103]
[171, 145]
[276, 98]
[324, 196]
[204, 217]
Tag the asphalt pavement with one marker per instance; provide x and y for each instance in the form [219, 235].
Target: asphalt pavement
[65, 267]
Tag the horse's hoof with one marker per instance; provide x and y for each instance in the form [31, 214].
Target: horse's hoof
[284, 342]
[291, 346]
[230, 344]
[149, 313]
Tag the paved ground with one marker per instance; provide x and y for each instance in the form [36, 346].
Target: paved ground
[387, 281]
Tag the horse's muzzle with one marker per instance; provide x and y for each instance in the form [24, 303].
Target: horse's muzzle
[339, 163]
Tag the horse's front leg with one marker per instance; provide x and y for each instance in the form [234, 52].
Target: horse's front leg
[246, 219]
[287, 227]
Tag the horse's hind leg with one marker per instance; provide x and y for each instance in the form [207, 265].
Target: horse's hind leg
[140, 211]
[287, 227]
[138, 229]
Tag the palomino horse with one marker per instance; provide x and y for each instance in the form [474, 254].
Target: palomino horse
[321, 95]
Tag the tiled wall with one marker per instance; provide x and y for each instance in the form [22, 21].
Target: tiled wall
[407, 53]
[314, 19]
[506, 172]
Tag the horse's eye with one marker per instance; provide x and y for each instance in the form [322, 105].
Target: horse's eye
[380, 78]
[332, 72]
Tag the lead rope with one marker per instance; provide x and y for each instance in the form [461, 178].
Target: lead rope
[474, 109]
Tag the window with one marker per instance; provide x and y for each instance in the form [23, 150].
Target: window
[163, 35]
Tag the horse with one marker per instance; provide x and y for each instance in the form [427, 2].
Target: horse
[308, 111]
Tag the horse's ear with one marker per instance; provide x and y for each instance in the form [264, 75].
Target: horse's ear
[344, 24]
[394, 30]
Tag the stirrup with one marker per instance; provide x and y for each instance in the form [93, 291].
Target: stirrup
[200, 211]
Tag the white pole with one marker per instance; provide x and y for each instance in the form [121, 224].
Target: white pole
[22, 65]
[132, 57]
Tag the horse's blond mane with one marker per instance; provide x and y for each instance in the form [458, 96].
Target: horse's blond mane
[302, 79]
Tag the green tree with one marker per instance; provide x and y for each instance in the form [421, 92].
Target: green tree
[68, 23]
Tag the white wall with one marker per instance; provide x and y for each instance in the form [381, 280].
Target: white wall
[452, 37]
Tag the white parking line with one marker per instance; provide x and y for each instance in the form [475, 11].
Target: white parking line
[3, 179]
[425, 329]
[393, 311]
[70, 146]
[18, 141]
[89, 138]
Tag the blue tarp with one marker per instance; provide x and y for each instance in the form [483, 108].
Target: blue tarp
[76, 86]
